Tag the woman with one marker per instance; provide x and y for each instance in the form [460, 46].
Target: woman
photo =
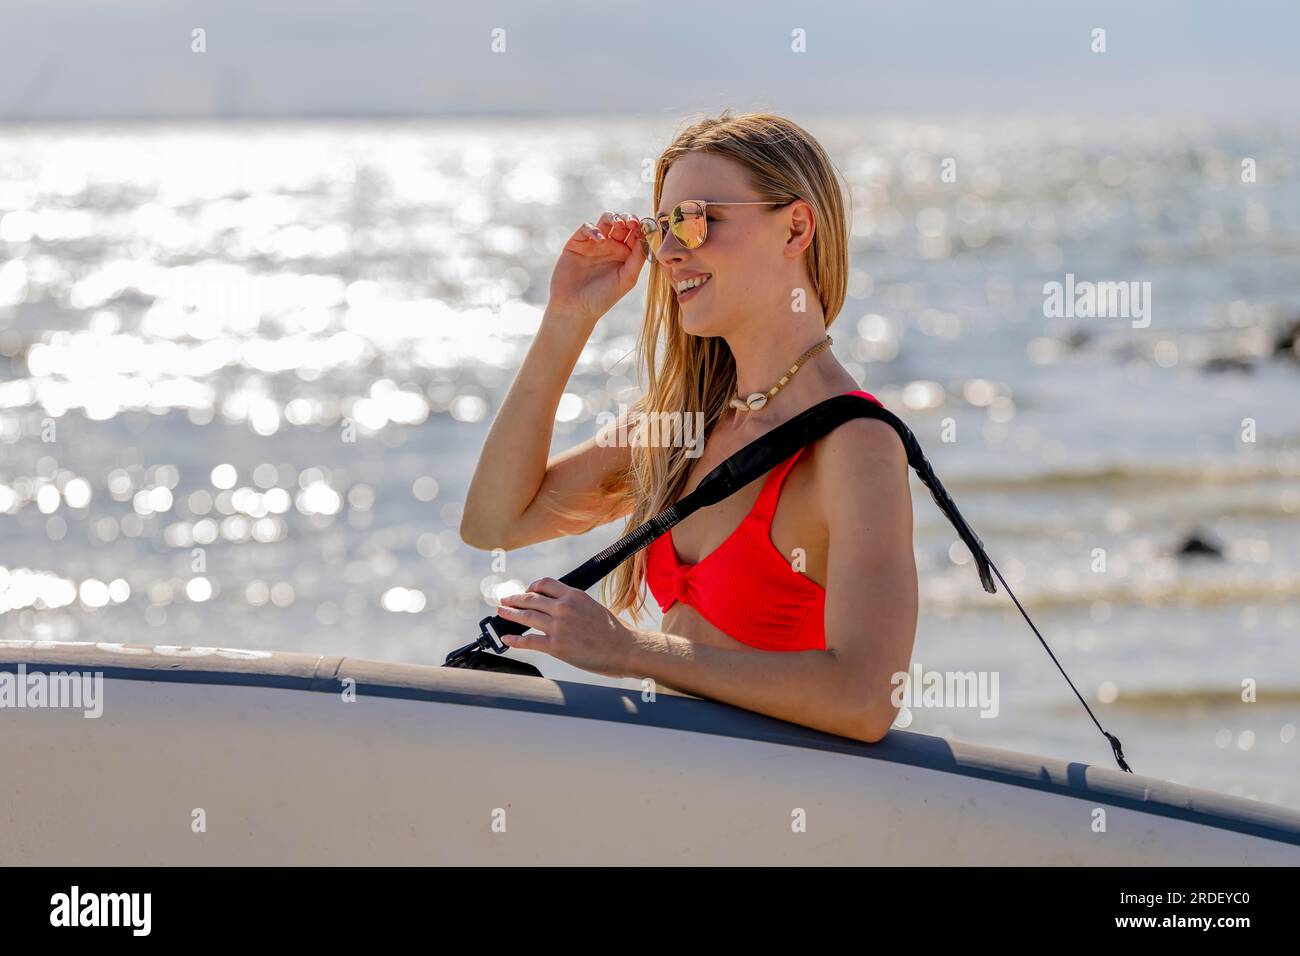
[795, 597]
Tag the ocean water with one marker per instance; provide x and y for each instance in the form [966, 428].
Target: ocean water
[246, 369]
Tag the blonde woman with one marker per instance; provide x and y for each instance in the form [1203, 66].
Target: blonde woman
[795, 597]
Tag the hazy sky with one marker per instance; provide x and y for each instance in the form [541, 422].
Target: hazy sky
[132, 58]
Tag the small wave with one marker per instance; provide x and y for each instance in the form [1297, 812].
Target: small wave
[953, 593]
[1155, 522]
[1155, 477]
[1155, 699]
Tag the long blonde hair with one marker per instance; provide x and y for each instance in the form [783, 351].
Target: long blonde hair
[692, 374]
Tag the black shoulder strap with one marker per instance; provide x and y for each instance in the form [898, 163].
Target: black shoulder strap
[751, 462]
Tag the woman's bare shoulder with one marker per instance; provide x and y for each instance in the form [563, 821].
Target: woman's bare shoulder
[859, 443]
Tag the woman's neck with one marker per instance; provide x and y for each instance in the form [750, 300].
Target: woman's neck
[761, 360]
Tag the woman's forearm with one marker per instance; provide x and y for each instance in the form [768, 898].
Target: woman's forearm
[804, 687]
[512, 464]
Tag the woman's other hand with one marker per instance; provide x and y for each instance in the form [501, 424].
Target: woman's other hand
[598, 266]
[575, 627]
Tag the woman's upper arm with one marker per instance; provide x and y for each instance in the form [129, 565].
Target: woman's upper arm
[574, 495]
[871, 585]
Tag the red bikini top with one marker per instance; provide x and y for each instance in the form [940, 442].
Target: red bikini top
[745, 587]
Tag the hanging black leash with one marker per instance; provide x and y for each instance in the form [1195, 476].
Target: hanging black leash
[751, 462]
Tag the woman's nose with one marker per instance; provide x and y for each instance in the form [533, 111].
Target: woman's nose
[670, 249]
[668, 257]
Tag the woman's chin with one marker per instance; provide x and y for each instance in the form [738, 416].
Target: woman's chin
[697, 323]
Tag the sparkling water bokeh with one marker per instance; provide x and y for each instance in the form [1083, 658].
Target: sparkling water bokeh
[246, 370]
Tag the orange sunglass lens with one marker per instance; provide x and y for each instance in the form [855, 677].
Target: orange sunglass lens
[686, 222]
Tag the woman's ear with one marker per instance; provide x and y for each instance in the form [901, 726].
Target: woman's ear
[803, 225]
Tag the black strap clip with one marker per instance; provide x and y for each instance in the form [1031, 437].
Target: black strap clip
[475, 656]
[486, 641]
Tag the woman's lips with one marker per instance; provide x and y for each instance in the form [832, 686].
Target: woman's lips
[693, 292]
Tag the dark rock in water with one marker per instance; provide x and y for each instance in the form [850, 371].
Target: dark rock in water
[1197, 544]
[1228, 363]
[1129, 352]
[1077, 339]
[1288, 341]
[131, 299]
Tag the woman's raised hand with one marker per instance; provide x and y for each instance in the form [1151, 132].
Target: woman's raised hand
[599, 265]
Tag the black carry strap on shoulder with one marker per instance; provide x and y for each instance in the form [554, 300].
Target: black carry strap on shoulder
[751, 462]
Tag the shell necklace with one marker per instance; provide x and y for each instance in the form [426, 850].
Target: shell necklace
[757, 400]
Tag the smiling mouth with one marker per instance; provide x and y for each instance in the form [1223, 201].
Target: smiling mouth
[683, 294]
